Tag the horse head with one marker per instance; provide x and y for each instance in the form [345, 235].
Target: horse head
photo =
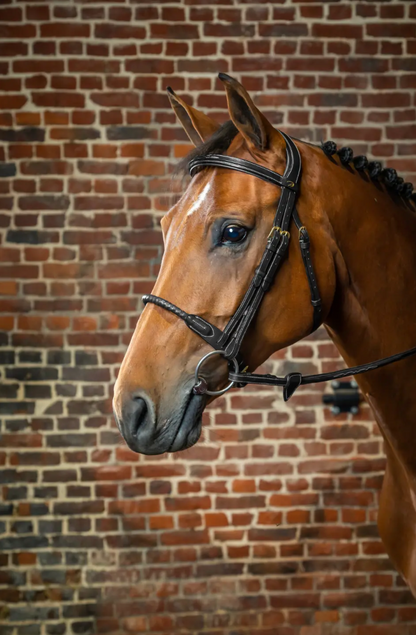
[214, 238]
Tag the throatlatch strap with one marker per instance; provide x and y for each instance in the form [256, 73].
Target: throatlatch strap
[304, 244]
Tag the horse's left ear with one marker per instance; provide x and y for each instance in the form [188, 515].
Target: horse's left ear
[245, 115]
[197, 126]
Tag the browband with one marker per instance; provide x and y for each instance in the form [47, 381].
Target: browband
[240, 165]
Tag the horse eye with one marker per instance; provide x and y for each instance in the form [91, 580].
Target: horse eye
[234, 234]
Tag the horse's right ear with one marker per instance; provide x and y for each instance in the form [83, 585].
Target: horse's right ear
[197, 126]
[246, 117]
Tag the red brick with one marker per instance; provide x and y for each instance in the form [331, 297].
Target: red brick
[267, 494]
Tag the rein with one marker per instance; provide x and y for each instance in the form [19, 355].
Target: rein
[228, 342]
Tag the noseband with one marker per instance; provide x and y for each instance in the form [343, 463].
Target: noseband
[228, 342]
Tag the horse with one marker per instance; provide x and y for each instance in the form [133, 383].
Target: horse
[362, 233]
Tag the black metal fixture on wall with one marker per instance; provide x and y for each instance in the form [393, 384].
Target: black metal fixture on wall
[346, 397]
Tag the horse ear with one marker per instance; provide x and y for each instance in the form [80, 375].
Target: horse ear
[245, 115]
[197, 126]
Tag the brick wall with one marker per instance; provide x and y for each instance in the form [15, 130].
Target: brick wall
[267, 526]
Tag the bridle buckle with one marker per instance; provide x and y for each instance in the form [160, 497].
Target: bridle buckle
[276, 229]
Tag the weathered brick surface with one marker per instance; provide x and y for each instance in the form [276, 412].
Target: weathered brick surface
[267, 527]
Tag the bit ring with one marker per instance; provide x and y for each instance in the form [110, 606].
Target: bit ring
[198, 381]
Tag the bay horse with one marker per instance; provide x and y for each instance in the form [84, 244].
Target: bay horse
[362, 241]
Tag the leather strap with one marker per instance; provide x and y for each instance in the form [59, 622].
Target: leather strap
[210, 333]
[240, 165]
[304, 244]
[293, 380]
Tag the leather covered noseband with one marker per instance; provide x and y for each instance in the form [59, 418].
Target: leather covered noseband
[228, 342]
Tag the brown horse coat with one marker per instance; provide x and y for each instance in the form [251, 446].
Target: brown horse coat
[363, 248]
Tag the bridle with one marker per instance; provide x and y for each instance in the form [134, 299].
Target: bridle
[228, 342]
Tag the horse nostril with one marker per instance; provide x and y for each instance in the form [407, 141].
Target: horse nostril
[138, 414]
[135, 416]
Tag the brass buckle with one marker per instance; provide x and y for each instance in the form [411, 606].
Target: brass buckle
[281, 231]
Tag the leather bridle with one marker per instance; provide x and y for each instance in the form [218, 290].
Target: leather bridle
[228, 342]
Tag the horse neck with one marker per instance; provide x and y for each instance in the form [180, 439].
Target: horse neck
[374, 308]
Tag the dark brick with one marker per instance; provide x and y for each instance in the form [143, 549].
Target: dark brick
[16, 493]
[30, 357]
[49, 558]
[53, 576]
[43, 202]
[22, 135]
[37, 392]
[83, 628]
[367, 531]
[70, 440]
[23, 542]
[7, 170]
[38, 509]
[46, 492]
[35, 613]
[65, 390]
[283, 30]
[76, 558]
[22, 527]
[6, 357]
[59, 357]
[82, 507]
[9, 391]
[34, 373]
[222, 569]
[79, 610]
[85, 358]
[17, 425]
[77, 542]
[58, 476]
[56, 629]
[28, 236]
[29, 629]
[273, 568]
[16, 578]
[17, 407]
[120, 133]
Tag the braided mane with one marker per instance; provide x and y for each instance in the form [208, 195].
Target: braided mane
[375, 170]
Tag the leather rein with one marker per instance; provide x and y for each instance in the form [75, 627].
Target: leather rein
[228, 342]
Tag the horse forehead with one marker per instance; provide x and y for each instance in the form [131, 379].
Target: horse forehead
[219, 191]
[201, 198]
